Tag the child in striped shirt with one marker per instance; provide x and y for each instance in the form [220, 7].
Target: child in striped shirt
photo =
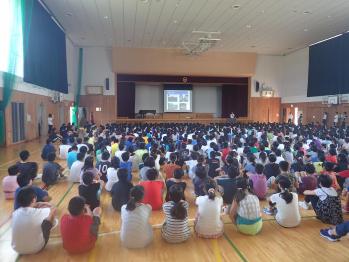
[175, 228]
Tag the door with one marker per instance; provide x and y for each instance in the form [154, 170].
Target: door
[61, 115]
[41, 126]
[18, 129]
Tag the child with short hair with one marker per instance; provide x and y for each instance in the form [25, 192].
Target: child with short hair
[325, 201]
[120, 191]
[176, 180]
[245, 210]
[112, 176]
[9, 183]
[308, 182]
[90, 190]
[135, 219]
[76, 168]
[153, 189]
[175, 229]
[31, 222]
[51, 171]
[329, 170]
[79, 228]
[259, 182]
[25, 167]
[103, 165]
[285, 172]
[25, 180]
[72, 155]
[127, 164]
[208, 222]
[214, 164]
[200, 180]
[171, 166]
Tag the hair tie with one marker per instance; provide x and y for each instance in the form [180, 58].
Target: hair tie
[211, 190]
[286, 189]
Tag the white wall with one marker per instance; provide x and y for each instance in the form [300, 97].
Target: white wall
[206, 99]
[149, 97]
[97, 66]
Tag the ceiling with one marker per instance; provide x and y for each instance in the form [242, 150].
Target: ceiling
[262, 26]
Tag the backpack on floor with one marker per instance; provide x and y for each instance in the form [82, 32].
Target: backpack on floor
[329, 211]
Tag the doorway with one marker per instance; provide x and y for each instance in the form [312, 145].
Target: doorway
[18, 129]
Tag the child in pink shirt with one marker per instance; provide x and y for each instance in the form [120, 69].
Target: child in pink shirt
[9, 183]
[259, 182]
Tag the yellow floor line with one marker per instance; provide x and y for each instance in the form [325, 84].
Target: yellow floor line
[216, 250]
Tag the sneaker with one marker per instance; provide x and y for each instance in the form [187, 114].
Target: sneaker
[324, 233]
[303, 205]
[268, 211]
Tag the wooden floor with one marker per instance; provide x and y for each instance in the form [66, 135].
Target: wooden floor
[274, 243]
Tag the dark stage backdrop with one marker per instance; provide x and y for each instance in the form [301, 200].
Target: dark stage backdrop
[235, 99]
[126, 96]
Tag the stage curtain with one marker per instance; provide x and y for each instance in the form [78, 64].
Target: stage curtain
[235, 99]
[78, 88]
[9, 77]
[126, 96]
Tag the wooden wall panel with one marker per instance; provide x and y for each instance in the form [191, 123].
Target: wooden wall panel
[313, 111]
[106, 103]
[265, 109]
[31, 103]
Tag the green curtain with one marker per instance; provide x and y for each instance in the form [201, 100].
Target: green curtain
[9, 77]
[78, 88]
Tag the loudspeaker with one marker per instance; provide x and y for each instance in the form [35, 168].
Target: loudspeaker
[107, 84]
[257, 86]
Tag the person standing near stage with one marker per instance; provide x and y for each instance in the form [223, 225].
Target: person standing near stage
[50, 123]
[300, 120]
[324, 119]
[335, 119]
[290, 118]
[344, 118]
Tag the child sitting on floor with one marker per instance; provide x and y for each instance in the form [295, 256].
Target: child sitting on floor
[9, 183]
[120, 191]
[90, 190]
[245, 210]
[103, 165]
[208, 222]
[176, 180]
[25, 180]
[286, 204]
[171, 166]
[112, 176]
[259, 182]
[25, 167]
[329, 167]
[136, 231]
[325, 201]
[51, 171]
[79, 228]
[31, 222]
[175, 228]
[126, 163]
[154, 189]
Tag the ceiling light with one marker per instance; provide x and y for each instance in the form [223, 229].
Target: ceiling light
[144, 1]
[248, 26]
[175, 21]
[69, 14]
[305, 29]
[262, 11]
[329, 16]
[306, 12]
[236, 6]
[106, 17]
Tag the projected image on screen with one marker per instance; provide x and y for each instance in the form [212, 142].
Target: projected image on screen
[177, 100]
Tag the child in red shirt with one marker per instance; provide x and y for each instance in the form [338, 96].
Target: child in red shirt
[79, 229]
[170, 167]
[153, 190]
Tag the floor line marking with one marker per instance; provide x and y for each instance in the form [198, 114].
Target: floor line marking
[242, 257]
[216, 250]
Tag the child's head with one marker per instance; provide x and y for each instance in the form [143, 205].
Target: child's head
[284, 166]
[136, 195]
[173, 157]
[328, 166]
[105, 155]
[201, 171]
[88, 162]
[123, 175]
[272, 158]
[23, 180]
[178, 211]
[26, 196]
[259, 169]
[24, 155]
[115, 162]
[178, 173]
[76, 206]
[242, 185]
[149, 162]
[233, 171]
[80, 156]
[83, 150]
[309, 169]
[51, 157]
[125, 156]
[144, 157]
[285, 186]
[152, 174]
[87, 178]
[13, 170]
[325, 181]
[210, 188]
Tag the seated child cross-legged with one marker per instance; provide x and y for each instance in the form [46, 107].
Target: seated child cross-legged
[176, 180]
[175, 228]
[31, 222]
[9, 183]
[245, 210]
[79, 228]
[136, 231]
[153, 189]
[286, 204]
[120, 191]
[90, 190]
[208, 222]
[325, 201]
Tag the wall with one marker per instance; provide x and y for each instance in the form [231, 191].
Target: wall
[106, 103]
[97, 66]
[149, 97]
[175, 62]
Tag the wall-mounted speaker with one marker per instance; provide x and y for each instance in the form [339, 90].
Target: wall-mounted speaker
[257, 86]
[107, 84]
